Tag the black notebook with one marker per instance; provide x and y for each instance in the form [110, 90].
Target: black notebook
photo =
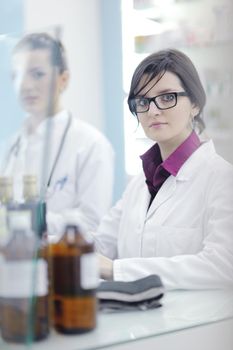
[140, 294]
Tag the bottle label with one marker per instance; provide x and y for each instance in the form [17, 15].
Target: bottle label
[89, 271]
[22, 279]
[3, 225]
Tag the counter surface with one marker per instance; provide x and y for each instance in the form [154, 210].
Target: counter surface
[180, 310]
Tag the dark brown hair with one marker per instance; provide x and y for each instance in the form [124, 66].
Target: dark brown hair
[176, 62]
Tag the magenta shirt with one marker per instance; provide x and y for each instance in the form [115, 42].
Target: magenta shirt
[157, 171]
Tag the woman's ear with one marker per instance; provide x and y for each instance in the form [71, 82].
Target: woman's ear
[195, 111]
[64, 80]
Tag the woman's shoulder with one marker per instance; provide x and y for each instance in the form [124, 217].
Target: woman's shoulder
[219, 172]
[88, 136]
[137, 180]
[84, 129]
[216, 161]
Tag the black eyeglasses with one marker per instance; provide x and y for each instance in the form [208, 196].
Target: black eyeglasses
[168, 100]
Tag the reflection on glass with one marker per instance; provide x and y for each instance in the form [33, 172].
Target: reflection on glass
[39, 75]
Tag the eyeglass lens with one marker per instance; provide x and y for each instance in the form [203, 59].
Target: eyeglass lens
[164, 101]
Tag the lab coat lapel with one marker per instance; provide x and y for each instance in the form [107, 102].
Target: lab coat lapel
[164, 193]
[144, 203]
[191, 166]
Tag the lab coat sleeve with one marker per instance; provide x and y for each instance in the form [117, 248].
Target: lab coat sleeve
[212, 267]
[106, 237]
[93, 190]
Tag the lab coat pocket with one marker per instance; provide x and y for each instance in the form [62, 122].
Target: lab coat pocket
[171, 241]
[61, 193]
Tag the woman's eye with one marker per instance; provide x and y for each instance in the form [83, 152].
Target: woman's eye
[167, 97]
[38, 74]
[142, 102]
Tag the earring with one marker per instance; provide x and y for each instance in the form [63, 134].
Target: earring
[193, 123]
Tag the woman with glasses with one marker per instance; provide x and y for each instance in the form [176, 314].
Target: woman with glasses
[79, 160]
[175, 219]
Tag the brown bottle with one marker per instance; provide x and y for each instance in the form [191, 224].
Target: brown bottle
[74, 280]
[24, 284]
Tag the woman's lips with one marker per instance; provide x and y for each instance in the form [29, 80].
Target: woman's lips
[157, 125]
[30, 99]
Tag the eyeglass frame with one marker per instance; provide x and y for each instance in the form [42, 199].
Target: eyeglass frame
[150, 99]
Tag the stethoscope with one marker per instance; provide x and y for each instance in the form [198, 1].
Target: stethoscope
[15, 148]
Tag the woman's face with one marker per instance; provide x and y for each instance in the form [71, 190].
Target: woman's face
[171, 126]
[33, 76]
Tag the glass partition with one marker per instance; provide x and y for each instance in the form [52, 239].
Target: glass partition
[30, 70]
[29, 97]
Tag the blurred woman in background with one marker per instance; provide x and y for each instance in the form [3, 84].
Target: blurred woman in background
[79, 161]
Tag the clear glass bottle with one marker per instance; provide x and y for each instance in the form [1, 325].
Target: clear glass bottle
[74, 282]
[24, 283]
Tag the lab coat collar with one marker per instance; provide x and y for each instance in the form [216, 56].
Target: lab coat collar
[57, 121]
[196, 161]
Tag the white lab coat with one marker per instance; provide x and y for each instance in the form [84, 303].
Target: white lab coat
[82, 183]
[186, 236]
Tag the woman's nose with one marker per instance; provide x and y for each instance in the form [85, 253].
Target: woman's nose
[22, 82]
[26, 83]
[153, 109]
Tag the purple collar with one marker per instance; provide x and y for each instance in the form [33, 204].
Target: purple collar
[175, 161]
[156, 170]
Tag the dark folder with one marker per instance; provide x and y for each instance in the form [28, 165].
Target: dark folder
[142, 294]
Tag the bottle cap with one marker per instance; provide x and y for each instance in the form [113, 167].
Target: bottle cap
[30, 190]
[6, 180]
[29, 178]
[6, 189]
[71, 220]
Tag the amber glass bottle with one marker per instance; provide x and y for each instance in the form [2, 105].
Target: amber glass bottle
[24, 289]
[74, 280]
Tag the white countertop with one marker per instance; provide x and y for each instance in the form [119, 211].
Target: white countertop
[181, 310]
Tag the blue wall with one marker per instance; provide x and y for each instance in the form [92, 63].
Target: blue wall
[113, 85]
[11, 16]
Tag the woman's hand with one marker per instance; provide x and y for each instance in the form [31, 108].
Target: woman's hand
[106, 267]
